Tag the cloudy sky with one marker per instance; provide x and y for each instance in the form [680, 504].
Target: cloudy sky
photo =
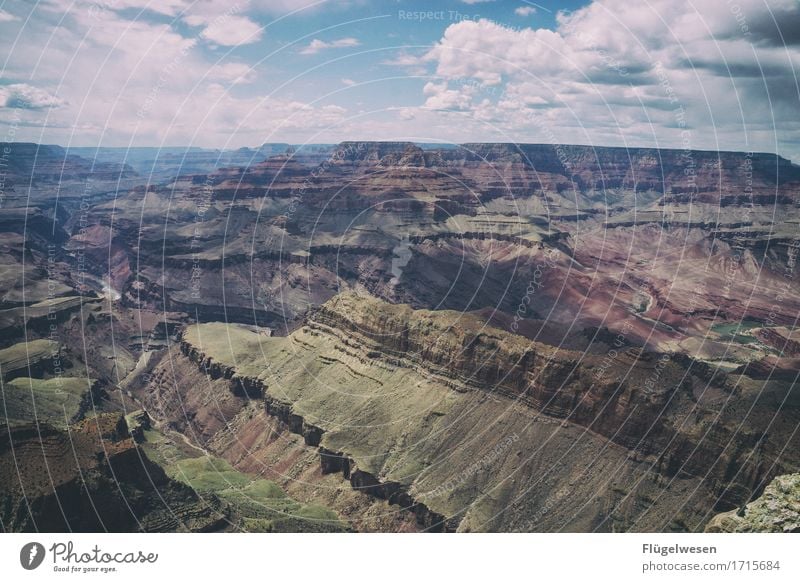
[719, 74]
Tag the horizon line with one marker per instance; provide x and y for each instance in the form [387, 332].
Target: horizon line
[416, 143]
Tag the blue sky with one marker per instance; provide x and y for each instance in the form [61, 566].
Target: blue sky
[663, 73]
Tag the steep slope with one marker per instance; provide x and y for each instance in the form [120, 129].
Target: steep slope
[92, 478]
[576, 237]
[473, 428]
[636, 307]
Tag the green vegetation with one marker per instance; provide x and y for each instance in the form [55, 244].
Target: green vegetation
[260, 504]
[56, 401]
[207, 474]
[737, 331]
[232, 345]
[266, 508]
[394, 418]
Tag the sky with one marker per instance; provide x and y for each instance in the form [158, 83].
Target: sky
[690, 74]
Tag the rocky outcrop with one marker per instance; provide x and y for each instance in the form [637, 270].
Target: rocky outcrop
[476, 236]
[545, 237]
[138, 422]
[283, 233]
[330, 461]
[651, 405]
[776, 511]
[34, 359]
[278, 445]
[242, 386]
[91, 479]
[363, 481]
[782, 340]
[600, 393]
[35, 163]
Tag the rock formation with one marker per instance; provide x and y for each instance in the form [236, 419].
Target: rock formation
[92, 479]
[483, 337]
[776, 511]
[458, 389]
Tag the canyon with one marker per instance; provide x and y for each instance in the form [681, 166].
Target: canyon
[389, 336]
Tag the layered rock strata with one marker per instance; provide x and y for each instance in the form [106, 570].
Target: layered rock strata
[394, 399]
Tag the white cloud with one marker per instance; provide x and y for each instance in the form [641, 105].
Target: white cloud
[234, 30]
[231, 72]
[403, 60]
[348, 82]
[406, 113]
[23, 96]
[317, 45]
[525, 11]
[102, 72]
[102, 76]
[618, 71]
[440, 97]
[95, 8]
[223, 24]
[7, 16]
[175, 7]
[413, 65]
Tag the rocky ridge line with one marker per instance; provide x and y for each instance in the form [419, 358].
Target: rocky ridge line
[330, 461]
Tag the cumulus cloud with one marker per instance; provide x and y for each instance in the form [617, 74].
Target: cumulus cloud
[105, 76]
[317, 45]
[614, 72]
[440, 97]
[411, 64]
[176, 7]
[231, 72]
[231, 30]
[403, 59]
[223, 24]
[650, 73]
[23, 96]
[525, 11]
[96, 8]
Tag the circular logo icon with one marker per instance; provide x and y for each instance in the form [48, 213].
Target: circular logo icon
[31, 555]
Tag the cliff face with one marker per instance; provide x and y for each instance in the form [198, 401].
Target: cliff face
[659, 169]
[428, 409]
[427, 473]
[464, 351]
[542, 308]
[482, 225]
[655, 405]
[91, 479]
[207, 401]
